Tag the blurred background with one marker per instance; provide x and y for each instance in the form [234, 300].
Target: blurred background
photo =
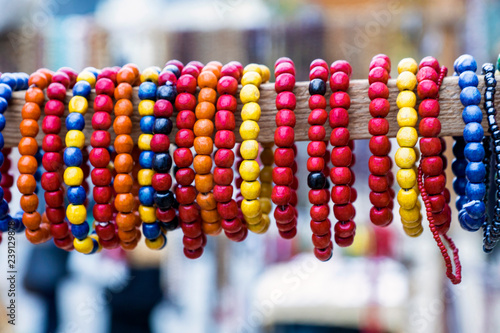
[386, 282]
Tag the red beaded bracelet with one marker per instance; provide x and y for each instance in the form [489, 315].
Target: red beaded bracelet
[343, 195]
[381, 179]
[283, 194]
[319, 196]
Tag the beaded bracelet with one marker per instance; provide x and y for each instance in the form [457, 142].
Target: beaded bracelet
[491, 227]
[406, 155]
[472, 214]
[283, 195]
[318, 194]
[225, 124]
[343, 195]
[36, 231]
[266, 180]
[189, 215]
[380, 179]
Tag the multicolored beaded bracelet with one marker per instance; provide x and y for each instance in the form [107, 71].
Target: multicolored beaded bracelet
[472, 214]
[406, 155]
[381, 179]
[343, 195]
[316, 149]
[283, 195]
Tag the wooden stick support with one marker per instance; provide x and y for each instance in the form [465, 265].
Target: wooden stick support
[450, 116]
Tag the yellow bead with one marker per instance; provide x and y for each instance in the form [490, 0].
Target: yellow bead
[75, 138]
[406, 81]
[96, 238]
[76, 214]
[261, 227]
[253, 220]
[407, 117]
[150, 74]
[155, 244]
[266, 190]
[407, 137]
[266, 73]
[405, 158]
[144, 141]
[147, 214]
[414, 232]
[408, 64]
[410, 225]
[249, 149]
[266, 174]
[87, 76]
[252, 68]
[78, 104]
[249, 170]
[250, 208]
[250, 111]
[406, 178]
[410, 215]
[85, 245]
[249, 93]
[146, 107]
[249, 130]
[265, 205]
[145, 177]
[73, 176]
[250, 190]
[251, 78]
[407, 199]
[406, 99]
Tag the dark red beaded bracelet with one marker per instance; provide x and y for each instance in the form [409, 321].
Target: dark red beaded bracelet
[343, 195]
[283, 194]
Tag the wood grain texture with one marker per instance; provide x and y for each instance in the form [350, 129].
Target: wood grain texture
[450, 116]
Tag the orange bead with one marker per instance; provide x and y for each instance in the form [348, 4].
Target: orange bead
[138, 221]
[122, 125]
[202, 164]
[35, 95]
[124, 202]
[32, 220]
[134, 68]
[203, 145]
[123, 91]
[204, 183]
[206, 201]
[26, 184]
[211, 229]
[28, 146]
[124, 163]
[37, 236]
[123, 107]
[214, 69]
[207, 95]
[48, 73]
[207, 79]
[127, 75]
[203, 127]
[215, 63]
[29, 203]
[205, 110]
[39, 79]
[126, 221]
[31, 111]
[129, 246]
[210, 216]
[27, 164]
[124, 144]
[126, 235]
[123, 183]
[29, 127]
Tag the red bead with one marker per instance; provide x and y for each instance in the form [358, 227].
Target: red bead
[100, 139]
[318, 63]
[185, 176]
[339, 81]
[164, 109]
[223, 176]
[55, 214]
[318, 212]
[281, 195]
[101, 121]
[317, 117]
[443, 217]
[227, 102]
[284, 68]
[54, 198]
[341, 156]
[340, 99]
[285, 117]
[379, 107]
[429, 127]
[51, 181]
[224, 120]
[339, 137]
[232, 226]
[430, 146]
[227, 85]
[378, 90]
[166, 76]
[288, 234]
[338, 117]
[225, 139]
[52, 143]
[188, 213]
[192, 243]
[227, 210]
[184, 138]
[99, 157]
[183, 157]
[344, 242]
[102, 212]
[106, 232]
[435, 185]
[54, 107]
[286, 100]
[381, 60]
[284, 82]
[192, 230]
[316, 148]
[102, 194]
[103, 103]
[318, 197]
[283, 60]
[224, 158]
[160, 143]
[165, 216]
[340, 175]
[378, 183]
[317, 102]
[231, 70]
[432, 166]
[324, 254]
[108, 73]
[186, 84]
[318, 72]
[429, 62]
[51, 125]
[378, 74]
[52, 161]
[380, 199]
[341, 194]
[315, 164]
[162, 181]
[379, 165]
[378, 126]
[427, 89]
[223, 193]
[320, 227]
[282, 176]
[321, 241]
[437, 203]
[316, 133]
[381, 216]
[427, 73]
[59, 230]
[380, 145]
[185, 195]
[101, 176]
[345, 229]
[284, 157]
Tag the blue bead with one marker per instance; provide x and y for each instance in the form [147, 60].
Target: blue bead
[476, 171]
[2, 122]
[38, 175]
[75, 121]
[80, 231]
[460, 202]
[163, 126]
[19, 82]
[162, 162]
[475, 191]
[9, 79]
[470, 96]
[468, 223]
[19, 224]
[2, 142]
[73, 156]
[472, 113]
[4, 223]
[146, 159]
[82, 88]
[95, 247]
[3, 105]
[147, 90]
[459, 185]
[4, 209]
[468, 79]
[458, 167]
[147, 124]
[5, 91]
[25, 77]
[473, 132]
[151, 230]
[474, 152]
[76, 195]
[1, 193]
[464, 63]
[2, 158]
[172, 68]
[146, 195]
[475, 209]
[92, 70]
[167, 92]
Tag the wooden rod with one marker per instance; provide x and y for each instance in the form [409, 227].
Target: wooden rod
[451, 109]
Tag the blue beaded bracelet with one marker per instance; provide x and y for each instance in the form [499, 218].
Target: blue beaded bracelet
[473, 212]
